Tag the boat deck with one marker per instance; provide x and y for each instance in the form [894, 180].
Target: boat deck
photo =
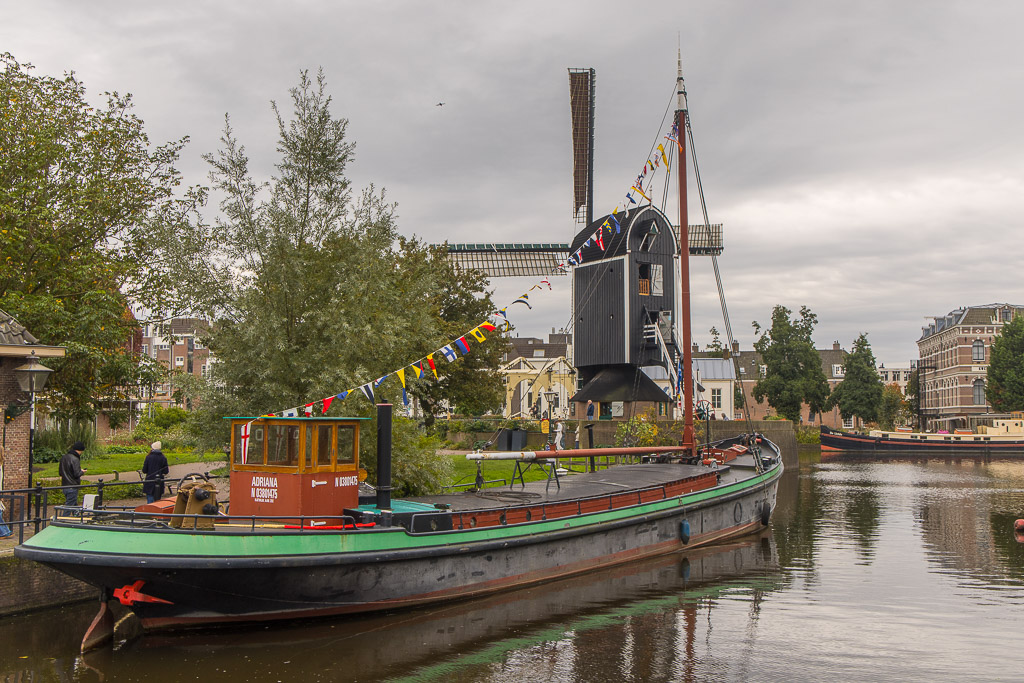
[581, 485]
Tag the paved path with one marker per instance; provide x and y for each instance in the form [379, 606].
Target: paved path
[176, 472]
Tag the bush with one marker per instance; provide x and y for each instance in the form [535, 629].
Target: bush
[125, 450]
[416, 467]
[808, 434]
[49, 445]
[640, 430]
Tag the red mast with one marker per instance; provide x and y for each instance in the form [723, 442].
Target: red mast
[684, 264]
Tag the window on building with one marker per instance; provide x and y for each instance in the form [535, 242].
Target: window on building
[979, 392]
[978, 350]
[202, 370]
[810, 418]
[145, 349]
[179, 360]
[716, 398]
[163, 347]
[657, 280]
[644, 282]
[837, 370]
[847, 423]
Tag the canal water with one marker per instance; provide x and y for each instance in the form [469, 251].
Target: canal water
[871, 571]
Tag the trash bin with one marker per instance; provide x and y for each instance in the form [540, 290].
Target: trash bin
[518, 441]
[504, 441]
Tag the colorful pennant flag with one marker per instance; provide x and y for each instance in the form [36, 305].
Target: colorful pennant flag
[487, 326]
[418, 367]
[430, 362]
[463, 345]
[327, 403]
[401, 378]
[368, 391]
[449, 353]
[291, 412]
[308, 410]
[342, 395]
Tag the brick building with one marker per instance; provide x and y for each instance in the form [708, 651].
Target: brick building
[178, 344]
[16, 346]
[955, 350]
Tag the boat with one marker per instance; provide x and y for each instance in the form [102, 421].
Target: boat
[959, 442]
[298, 539]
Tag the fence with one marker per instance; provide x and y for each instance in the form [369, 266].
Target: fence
[30, 508]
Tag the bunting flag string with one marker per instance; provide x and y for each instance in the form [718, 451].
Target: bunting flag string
[368, 391]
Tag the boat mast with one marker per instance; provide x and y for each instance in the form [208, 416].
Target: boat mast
[684, 262]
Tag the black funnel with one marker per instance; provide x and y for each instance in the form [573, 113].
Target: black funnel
[383, 456]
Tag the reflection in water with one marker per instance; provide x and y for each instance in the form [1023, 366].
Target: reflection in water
[871, 570]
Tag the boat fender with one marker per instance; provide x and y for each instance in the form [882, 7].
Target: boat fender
[766, 512]
[209, 509]
[1019, 525]
[684, 531]
[200, 494]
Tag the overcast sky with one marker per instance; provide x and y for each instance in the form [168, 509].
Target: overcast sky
[865, 158]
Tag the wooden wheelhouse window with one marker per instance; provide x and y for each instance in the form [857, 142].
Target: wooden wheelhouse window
[346, 444]
[283, 445]
[254, 455]
[323, 454]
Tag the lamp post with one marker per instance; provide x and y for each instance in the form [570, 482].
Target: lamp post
[32, 377]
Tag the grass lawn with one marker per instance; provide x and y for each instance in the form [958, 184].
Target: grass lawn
[127, 462]
[465, 471]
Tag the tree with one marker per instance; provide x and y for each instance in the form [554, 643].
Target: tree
[793, 374]
[715, 348]
[894, 408]
[914, 392]
[1005, 386]
[860, 392]
[314, 292]
[89, 223]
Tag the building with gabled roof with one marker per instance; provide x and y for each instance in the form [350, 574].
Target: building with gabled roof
[955, 350]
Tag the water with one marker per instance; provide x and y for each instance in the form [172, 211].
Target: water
[871, 571]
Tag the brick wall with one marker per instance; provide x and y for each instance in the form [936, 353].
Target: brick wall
[15, 433]
[27, 585]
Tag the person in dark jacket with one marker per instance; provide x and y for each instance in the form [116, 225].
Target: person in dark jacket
[71, 472]
[155, 469]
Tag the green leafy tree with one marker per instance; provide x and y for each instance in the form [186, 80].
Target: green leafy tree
[860, 393]
[914, 392]
[793, 374]
[894, 408]
[715, 347]
[90, 223]
[1005, 386]
[315, 292]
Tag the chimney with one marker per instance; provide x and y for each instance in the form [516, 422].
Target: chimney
[835, 346]
[735, 348]
[696, 348]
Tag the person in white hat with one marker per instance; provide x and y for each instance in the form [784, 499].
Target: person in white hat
[154, 468]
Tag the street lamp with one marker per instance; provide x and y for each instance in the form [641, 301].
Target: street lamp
[32, 377]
